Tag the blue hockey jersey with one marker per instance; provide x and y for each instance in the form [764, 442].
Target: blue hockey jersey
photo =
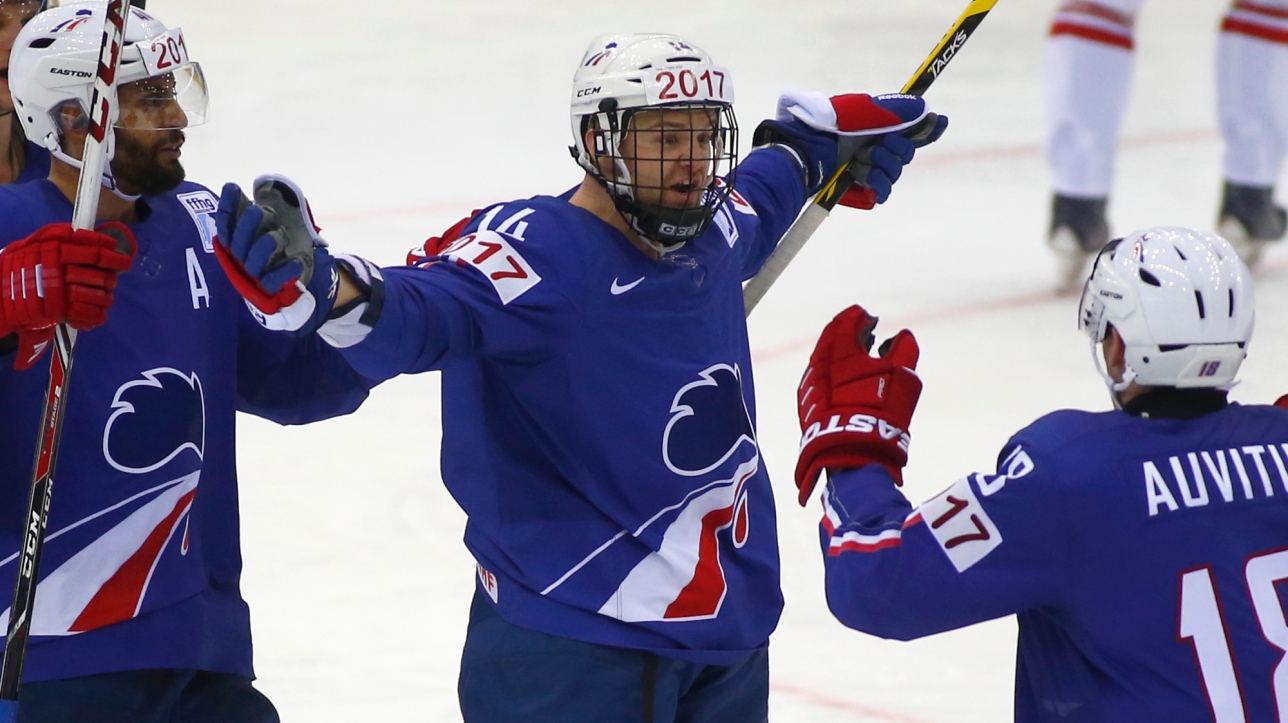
[142, 556]
[598, 417]
[1146, 560]
[36, 165]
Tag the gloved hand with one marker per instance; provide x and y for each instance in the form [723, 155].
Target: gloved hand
[854, 408]
[272, 253]
[59, 275]
[880, 133]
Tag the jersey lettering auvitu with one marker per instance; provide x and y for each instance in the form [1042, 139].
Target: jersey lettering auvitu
[1146, 560]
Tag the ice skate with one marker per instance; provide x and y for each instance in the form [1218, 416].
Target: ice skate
[1078, 231]
[1250, 219]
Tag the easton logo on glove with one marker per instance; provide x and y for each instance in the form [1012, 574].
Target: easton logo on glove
[858, 423]
[855, 408]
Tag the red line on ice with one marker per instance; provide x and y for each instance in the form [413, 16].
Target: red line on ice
[932, 158]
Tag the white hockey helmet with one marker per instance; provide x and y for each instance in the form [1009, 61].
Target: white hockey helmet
[55, 59]
[622, 74]
[1182, 302]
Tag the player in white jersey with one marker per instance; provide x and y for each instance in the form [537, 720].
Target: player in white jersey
[1087, 81]
[598, 409]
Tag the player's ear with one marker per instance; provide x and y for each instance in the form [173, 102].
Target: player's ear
[73, 125]
[1115, 352]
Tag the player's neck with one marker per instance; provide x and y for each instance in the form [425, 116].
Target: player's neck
[1130, 393]
[8, 174]
[591, 196]
[111, 207]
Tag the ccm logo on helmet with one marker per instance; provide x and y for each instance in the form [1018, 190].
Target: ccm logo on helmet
[69, 71]
[589, 91]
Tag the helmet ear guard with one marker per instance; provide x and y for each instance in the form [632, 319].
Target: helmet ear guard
[1182, 302]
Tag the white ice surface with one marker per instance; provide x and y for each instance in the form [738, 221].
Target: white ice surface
[399, 117]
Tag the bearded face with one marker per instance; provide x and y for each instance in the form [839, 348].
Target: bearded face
[147, 162]
[149, 137]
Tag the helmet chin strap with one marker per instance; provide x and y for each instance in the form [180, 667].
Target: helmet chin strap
[109, 181]
[1115, 388]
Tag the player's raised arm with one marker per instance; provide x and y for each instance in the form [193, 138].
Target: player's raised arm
[819, 134]
[892, 570]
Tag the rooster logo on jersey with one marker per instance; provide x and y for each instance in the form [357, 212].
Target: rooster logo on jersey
[709, 433]
[158, 422]
[154, 420]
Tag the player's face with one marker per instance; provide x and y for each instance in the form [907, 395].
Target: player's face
[13, 15]
[149, 137]
[671, 155]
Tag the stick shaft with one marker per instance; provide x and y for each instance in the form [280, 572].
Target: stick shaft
[827, 198]
[93, 161]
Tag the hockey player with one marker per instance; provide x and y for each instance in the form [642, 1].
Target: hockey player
[20, 160]
[1087, 78]
[138, 615]
[1142, 549]
[598, 424]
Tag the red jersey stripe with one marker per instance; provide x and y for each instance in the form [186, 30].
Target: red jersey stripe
[1255, 30]
[1267, 10]
[1093, 34]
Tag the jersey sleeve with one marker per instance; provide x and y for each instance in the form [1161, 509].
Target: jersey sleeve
[293, 381]
[772, 182]
[988, 546]
[488, 294]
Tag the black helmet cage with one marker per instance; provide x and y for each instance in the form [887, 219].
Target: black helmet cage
[666, 227]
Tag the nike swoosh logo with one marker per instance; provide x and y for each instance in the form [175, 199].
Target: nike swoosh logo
[623, 288]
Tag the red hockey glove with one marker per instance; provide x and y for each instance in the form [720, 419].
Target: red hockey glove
[1282, 401]
[855, 408]
[59, 275]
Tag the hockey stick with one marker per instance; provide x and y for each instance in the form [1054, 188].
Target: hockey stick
[831, 193]
[90, 185]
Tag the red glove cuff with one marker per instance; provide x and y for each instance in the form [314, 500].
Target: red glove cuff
[250, 288]
[863, 440]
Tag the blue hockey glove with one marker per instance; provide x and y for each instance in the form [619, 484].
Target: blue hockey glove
[274, 257]
[879, 133]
